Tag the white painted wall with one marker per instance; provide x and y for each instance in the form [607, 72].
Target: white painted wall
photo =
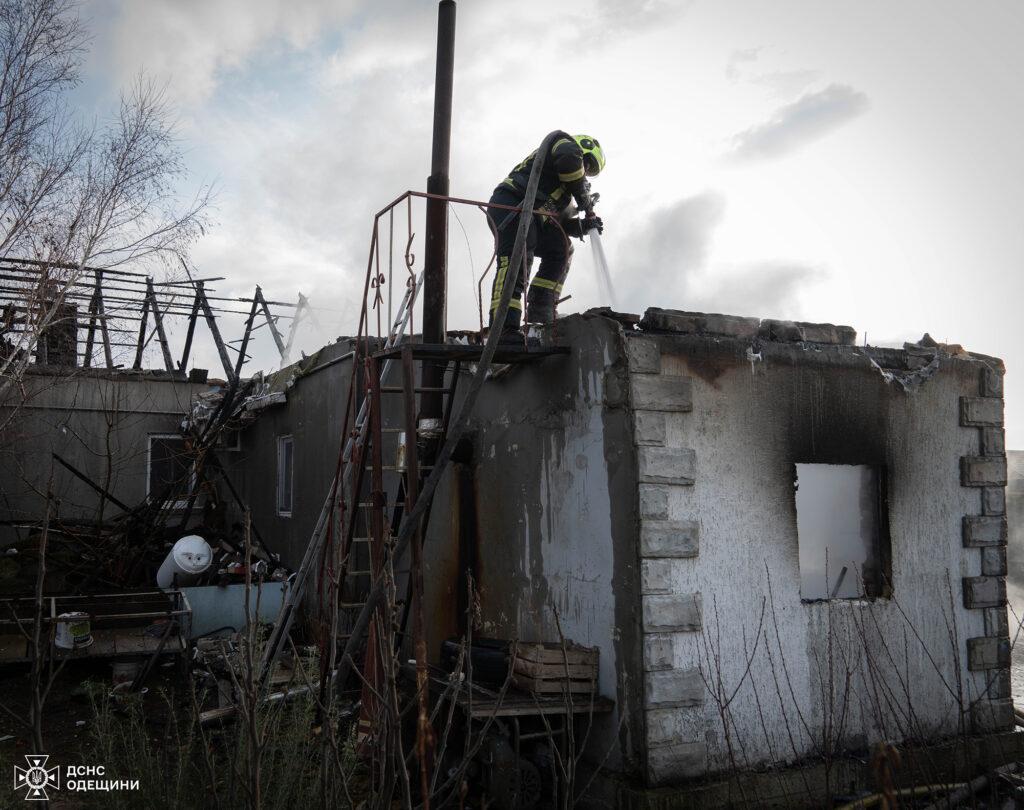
[812, 664]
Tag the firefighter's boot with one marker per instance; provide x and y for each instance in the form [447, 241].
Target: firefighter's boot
[540, 305]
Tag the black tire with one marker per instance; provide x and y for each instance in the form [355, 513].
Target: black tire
[488, 658]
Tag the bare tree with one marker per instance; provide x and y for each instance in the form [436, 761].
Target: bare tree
[42, 43]
[73, 195]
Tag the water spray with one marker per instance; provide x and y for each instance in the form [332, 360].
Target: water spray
[604, 277]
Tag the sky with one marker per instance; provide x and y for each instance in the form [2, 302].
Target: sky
[845, 162]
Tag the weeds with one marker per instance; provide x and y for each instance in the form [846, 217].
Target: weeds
[181, 766]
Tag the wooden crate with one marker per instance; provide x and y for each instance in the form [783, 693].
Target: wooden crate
[546, 668]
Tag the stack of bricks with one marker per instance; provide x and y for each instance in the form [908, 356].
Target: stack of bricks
[673, 694]
[989, 654]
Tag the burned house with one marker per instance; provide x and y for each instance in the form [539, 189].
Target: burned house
[782, 547]
[94, 448]
[786, 547]
[110, 438]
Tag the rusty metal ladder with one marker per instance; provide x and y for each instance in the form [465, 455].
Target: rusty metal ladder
[354, 441]
[379, 517]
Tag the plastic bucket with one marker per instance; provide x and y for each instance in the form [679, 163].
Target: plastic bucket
[73, 631]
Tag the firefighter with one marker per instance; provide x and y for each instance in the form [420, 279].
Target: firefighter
[563, 180]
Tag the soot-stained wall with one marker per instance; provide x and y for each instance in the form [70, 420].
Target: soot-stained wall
[555, 478]
[804, 676]
[99, 422]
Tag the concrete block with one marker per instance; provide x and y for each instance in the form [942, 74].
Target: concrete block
[701, 323]
[993, 442]
[649, 427]
[988, 716]
[661, 392]
[674, 465]
[981, 411]
[984, 530]
[984, 652]
[627, 319]
[673, 687]
[673, 763]
[653, 502]
[644, 355]
[991, 382]
[668, 320]
[983, 471]
[669, 538]
[656, 576]
[674, 726]
[803, 332]
[731, 326]
[997, 623]
[662, 726]
[998, 684]
[672, 613]
[993, 561]
[984, 592]
[993, 501]
[658, 652]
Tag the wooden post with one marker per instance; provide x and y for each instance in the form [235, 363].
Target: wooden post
[271, 322]
[142, 333]
[161, 335]
[183, 365]
[212, 323]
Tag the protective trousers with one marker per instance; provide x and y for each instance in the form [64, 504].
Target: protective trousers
[545, 240]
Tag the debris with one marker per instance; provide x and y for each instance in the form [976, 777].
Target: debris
[965, 792]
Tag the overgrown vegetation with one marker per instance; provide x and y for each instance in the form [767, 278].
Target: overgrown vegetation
[180, 765]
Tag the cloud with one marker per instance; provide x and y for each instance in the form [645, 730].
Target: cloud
[762, 289]
[668, 263]
[733, 68]
[192, 44]
[662, 257]
[786, 83]
[613, 19]
[809, 118]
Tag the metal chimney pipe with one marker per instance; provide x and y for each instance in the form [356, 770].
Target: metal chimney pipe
[435, 267]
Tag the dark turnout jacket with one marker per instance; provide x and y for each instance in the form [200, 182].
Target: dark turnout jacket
[561, 178]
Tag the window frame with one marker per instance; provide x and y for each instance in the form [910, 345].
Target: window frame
[283, 440]
[173, 505]
[881, 547]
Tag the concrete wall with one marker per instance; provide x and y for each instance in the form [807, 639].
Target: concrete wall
[554, 473]
[312, 414]
[99, 422]
[642, 489]
[315, 397]
[740, 671]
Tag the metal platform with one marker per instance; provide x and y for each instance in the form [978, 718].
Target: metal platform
[470, 353]
[123, 624]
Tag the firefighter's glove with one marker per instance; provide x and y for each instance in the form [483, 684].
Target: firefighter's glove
[581, 227]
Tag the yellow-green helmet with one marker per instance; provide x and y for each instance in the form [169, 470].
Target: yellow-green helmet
[593, 154]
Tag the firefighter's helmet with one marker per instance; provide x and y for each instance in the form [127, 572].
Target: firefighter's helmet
[593, 154]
